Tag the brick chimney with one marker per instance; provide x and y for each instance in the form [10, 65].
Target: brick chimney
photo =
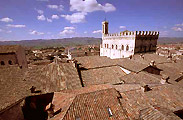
[164, 79]
[152, 63]
[145, 88]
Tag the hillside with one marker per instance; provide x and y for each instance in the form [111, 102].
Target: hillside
[74, 41]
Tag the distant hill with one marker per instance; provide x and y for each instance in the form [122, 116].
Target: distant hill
[55, 42]
[166, 40]
[75, 41]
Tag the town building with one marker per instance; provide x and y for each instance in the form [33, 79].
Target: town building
[127, 43]
[13, 55]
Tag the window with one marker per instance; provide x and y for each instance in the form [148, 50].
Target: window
[10, 62]
[116, 47]
[122, 47]
[127, 48]
[112, 46]
[109, 112]
[2, 63]
[107, 45]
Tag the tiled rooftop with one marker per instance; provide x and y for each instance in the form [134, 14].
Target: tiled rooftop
[102, 75]
[94, 106]
[15, 83]
[141, 78]
[99, 61]
[166, 96]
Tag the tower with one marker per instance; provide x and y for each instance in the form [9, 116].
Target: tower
[105, 27]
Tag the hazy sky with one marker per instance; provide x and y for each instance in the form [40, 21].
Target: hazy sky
[45, 19]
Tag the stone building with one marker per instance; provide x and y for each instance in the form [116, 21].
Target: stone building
[127, 43]
[12, 55]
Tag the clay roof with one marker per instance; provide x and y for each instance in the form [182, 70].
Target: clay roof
[166, 96]
[15, 83]
[131, 65]
[94, 61]
[53, 77]
[150, 57]
[9, 48]
[102, 75]
[12, 86]
[157, 112]
[100, 61]
[93, 106]
[171, 71]
[141, 78]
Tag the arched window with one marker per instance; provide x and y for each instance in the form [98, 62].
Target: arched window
[107, 45]
[122, 47]
[10, 62]
[116, 46]
[112, 46]
[127, 48]
[2, 63]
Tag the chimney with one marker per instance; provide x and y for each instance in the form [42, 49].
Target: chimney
[145, 88]
[164, 79]
[152, 63]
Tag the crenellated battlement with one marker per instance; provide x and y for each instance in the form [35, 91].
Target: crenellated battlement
[133, 33]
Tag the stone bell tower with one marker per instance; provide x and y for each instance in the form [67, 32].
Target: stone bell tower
[105, 27]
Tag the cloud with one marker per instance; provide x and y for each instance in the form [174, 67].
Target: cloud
[67, 31]
[75, 17]
[97, 31]
[122, 27]
[178, 29]
[41, 17]
[90, 6]
[55, 17]
[16, 26]
[179, 25]
[6, 19]
[85, 32]
[69, 28]
[49, 20]
[56, 7]
[39, 11]
[1, 30]
[34, 32]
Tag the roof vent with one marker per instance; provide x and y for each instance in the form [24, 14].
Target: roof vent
[109, 112]
[145, 88]
[142, 56]
[164, 79]
[152, 63]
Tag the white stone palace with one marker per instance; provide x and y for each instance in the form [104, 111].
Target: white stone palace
[127, 43]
